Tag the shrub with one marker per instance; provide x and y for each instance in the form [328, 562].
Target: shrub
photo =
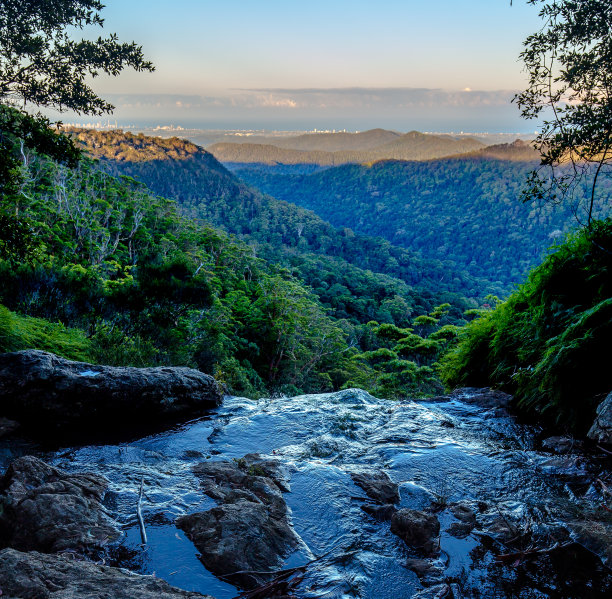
[549, 342]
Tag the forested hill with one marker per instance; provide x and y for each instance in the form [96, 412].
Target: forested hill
[358, 276]
[517, 151]
[337, 141]
[466, 210]
[342, 148]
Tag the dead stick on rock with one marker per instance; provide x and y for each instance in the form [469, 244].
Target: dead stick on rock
[605, 450]
[143, 532]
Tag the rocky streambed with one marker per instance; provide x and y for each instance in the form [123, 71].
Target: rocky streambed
[332, 495]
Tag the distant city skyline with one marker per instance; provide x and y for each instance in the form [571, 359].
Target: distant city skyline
[439, 65]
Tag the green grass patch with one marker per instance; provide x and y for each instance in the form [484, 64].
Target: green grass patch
[25, 332]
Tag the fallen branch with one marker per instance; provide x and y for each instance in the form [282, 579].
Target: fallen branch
[278, 587]
[604, 488]
[517, 557]
[143, 532]
[605, 450]
[281, 584]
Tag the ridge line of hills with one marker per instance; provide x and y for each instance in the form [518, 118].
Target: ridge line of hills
[341, 148]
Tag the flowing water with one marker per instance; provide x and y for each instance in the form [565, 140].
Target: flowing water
[438, 451]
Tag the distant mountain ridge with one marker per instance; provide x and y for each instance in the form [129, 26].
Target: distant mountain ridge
[333, 149]
[517, 151]
[338, 141]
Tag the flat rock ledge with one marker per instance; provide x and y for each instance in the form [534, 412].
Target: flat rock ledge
[46, 394]
[601, 431]
[48, 510]
[37, 576]
[248, 535]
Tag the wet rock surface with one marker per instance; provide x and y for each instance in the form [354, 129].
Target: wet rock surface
[466, 520]
[483, 397]
[417, 529]
[49, 510]
[508, 509]
[439, 591]
[601, 431]
[46, 394]
[37, 576]
[595, 535]
[560, 444]
[377, 486]
[249, 533]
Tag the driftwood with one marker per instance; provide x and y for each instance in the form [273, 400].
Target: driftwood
[141, 525]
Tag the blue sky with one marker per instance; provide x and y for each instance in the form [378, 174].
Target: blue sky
[433, 65]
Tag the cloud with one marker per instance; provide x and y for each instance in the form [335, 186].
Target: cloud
[320, 99]
[402, 108]
[400, 97]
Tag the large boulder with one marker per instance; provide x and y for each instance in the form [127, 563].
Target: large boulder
[37, 576]
[249, 534]
[46, 509]
[45, 393]
[601, 431]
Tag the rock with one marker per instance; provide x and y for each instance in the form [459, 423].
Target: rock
[46, 509]
[601, 431]
[595, 536]
[503, 522]
[417, 529]
[463, 512]
[430, 572]
[380, 512]
[466, 517]
[46, 393]
[377, 486]
[37, 576]
[561, 444]
[249, 534]
[459, 530]
[483, 397]
[440, 591]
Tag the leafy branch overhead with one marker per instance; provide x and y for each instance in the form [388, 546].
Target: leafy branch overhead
[42, 65]
[569, 62]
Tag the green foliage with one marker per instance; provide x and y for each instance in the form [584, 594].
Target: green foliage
[22, 332]
[20, 132]
[359, 278]
[548, 343]
[145, 285]
[569, 62]
[404, 363]
[41, 64]
[460, 216]
[17, 243]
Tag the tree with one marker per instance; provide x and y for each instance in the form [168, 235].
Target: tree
[41, 65]
[570, 86]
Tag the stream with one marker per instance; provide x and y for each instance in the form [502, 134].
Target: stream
[439, 451]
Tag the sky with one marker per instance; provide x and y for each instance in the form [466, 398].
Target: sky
[431, 65]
